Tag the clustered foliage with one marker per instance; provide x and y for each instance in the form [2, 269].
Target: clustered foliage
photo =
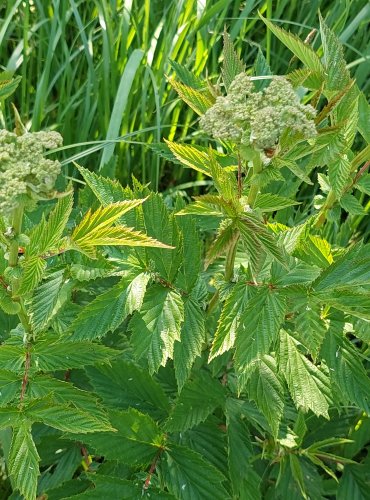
[248, 117]
[206, 350]
[25, 174]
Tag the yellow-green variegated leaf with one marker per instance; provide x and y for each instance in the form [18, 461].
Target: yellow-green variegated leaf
[97, 229]
[114, 236]
[198, 100]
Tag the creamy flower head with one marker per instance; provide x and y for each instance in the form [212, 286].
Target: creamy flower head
[258, 118]
[24, 172]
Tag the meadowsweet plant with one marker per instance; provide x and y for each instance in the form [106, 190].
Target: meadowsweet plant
[210, 348]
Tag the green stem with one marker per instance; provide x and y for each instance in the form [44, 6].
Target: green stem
[330, 200]
[17, 220]
[23, 318]
[257, 168]
[230, 259]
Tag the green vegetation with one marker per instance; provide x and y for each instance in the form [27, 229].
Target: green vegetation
[167, 346]
[96, 70]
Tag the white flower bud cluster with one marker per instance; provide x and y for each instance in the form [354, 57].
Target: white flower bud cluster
[24, 172]
[258, 118]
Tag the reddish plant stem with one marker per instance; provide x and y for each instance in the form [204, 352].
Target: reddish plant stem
[3, 284]
[152, 468]
[27, 365]
[361, 172]
[86, 457]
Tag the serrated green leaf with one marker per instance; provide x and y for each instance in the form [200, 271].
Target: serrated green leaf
[228, 322]
[63, 355]
[296, 169]
[363, 184]
[251, 245]
[192, 338]
[23, 461]
[297, 473]
[265, 387]
[116, 487]
[33, 271]
[66, 417]
[8, 85]
[354, 483]
[308, 386]
[107, 191]
[232, 65]
[296, 279]
[364, 117]
[136, 441]
[186, 76]
[197, 400]
[348, 300]
[190, 156]
[315, 251]
[350, 269]
[245, 481]
[347, 112]
[272, 202]
[311, 328]
[328, 146]
[337, 74]
[261, 68]
[227, 236]
[96, 229]
[300, 49]
[12, 357]
[47, 235]
[43, 301]
[189, 477]
[209, 440]
[347, 371]
[94, 270]
[200, 207]
[162, 225]
[191, 255]
[156, 327]
[263, 236]
[10, 386]
[305, 77]
[199, 100]
[107, 311]
[223, 179]
[259, 326]
[64, 393]
[123, 384]
[351, 205]
[102, 218]
[339, 174]
[67, 463]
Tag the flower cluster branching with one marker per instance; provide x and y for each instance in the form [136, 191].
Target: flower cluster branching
[258, 119]
[25, 175]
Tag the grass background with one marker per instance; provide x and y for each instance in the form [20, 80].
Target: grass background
[95, 70]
